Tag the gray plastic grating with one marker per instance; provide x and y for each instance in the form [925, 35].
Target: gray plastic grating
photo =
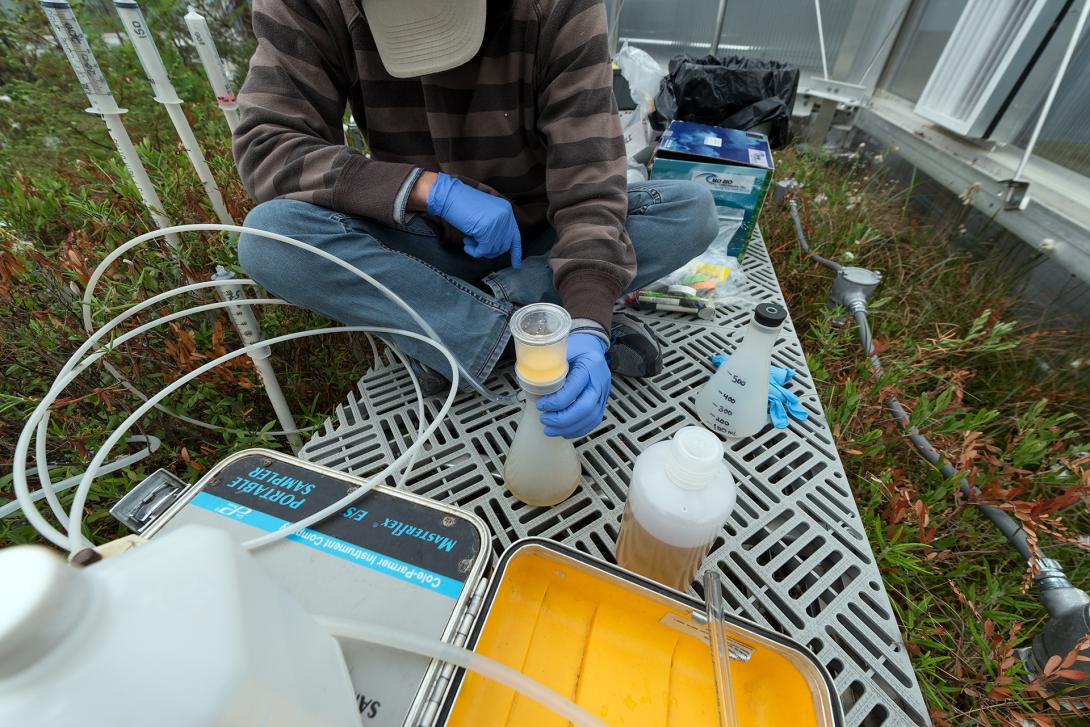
[794, 555]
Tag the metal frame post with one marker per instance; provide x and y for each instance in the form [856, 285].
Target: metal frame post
[720, 18]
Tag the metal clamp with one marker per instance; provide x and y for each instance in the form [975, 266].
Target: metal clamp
[145, 502]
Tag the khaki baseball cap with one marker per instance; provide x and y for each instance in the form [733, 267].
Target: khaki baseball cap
[417, 37]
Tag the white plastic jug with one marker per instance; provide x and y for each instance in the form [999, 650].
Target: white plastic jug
[185, 631]
[680, 497]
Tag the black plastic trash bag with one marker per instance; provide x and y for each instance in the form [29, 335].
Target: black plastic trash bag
[733, 92]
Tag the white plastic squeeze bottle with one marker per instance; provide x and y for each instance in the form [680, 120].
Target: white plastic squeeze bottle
[540, 470]
[680, 496]
[734, 402]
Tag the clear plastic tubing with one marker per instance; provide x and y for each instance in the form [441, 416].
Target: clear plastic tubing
[486, 667]
[72, 368]
[73, 540]
[391, 295]
[80, 499]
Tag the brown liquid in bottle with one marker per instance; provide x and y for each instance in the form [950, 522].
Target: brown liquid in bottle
[643, 553]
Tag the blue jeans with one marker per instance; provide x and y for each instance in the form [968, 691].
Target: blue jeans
[467, 300]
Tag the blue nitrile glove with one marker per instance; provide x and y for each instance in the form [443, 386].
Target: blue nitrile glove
[578, 407]
[781, 402]
[486, 220]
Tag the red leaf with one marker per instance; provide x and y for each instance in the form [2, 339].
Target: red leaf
[1073, 674]
[1052, 664]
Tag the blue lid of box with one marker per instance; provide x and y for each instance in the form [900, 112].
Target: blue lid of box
[714, 142]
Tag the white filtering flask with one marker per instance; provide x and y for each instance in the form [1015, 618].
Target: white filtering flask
[734, 402]
[540, 470]
[680, 497]
[186, 630]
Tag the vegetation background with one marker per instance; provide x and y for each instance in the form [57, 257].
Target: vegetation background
[1002, 391]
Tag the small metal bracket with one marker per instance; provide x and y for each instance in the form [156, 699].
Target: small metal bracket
[1017, 196]
[151, 498]
[842, 92]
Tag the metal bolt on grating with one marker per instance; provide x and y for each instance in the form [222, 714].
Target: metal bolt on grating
[794, 554]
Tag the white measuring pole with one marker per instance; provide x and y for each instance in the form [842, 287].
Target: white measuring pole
[241, 316]
[137, 28]
[213, 66]
[74, 43]
[250, 332]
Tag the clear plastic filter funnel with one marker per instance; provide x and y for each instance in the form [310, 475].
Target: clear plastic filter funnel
[540, 332]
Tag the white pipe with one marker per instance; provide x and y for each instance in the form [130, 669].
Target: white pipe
[44, 483]
[249, 331]
[22, 446]
[391, 295]
[410, 642]
[75, 365]
[80, 499]
[374, 350]
[136, 26]
[1052, 91]
[128, 385]
[74, 44]
[51, 488]
[213, 66]
[408, 456]
[821, 41]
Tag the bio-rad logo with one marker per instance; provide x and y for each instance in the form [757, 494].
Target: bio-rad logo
[721, 182]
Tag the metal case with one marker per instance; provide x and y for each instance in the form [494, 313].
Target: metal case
[630, 650]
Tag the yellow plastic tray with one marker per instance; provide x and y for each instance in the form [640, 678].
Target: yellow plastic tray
[625, 649]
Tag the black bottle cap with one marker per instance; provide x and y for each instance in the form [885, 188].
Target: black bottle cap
[769, 315]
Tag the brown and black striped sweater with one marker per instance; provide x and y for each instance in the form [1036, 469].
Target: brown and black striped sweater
[532, 118]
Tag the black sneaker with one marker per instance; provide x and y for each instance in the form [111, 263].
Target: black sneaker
[431, 381]
[634, 348]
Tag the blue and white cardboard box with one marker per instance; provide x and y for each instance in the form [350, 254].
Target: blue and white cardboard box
[736, 166]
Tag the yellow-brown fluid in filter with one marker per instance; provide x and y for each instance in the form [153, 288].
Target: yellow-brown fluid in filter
[641, 552]
[605, 646]
[540, 333]
[539, 364]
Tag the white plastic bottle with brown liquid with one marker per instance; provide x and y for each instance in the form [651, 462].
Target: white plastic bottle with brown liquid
[680, 497]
